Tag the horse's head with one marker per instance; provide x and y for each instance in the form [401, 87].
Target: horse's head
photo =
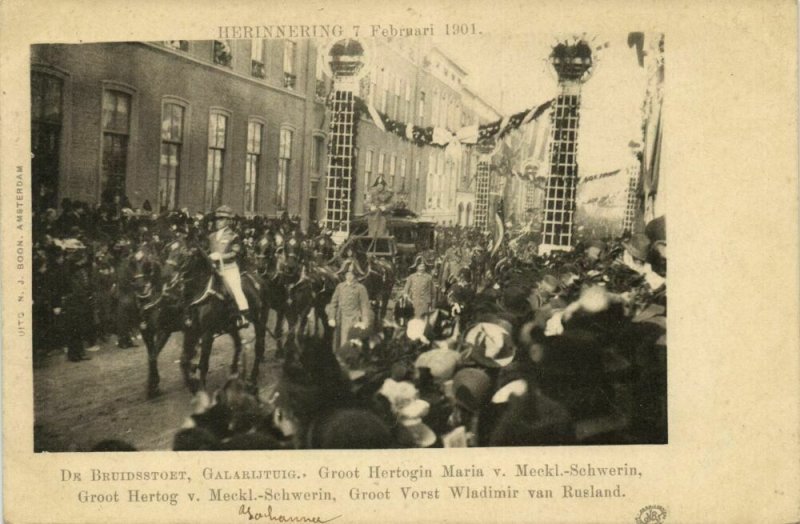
[175, 256]
[146, 271]
[263, 252]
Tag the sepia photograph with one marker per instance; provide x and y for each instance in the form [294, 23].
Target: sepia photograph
[399, 262]
[348, 243]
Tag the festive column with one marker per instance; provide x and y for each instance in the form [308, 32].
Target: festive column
[345, 63]
[482, 184]
[573, 64]
[630, 205]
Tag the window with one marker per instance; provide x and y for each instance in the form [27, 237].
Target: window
[255, 134]
[408, 115]
[373, 85]
[320, 89]
[381, 163]
[435, 108]
[440, 177]
[384, 92]
[421, 108]
[46, 121]
[289, 52]
[403, 174]
[417, 171]
[429, 190]
[312, 201]
[397, 90]
[392, 171]
[169, 169]
[222, 53]
[443, 110]
[257, 68]
[116, 128]
[465, 168]
[318, 150]
[180, 45]
[284, 167]
[368, 170]
[217, 133]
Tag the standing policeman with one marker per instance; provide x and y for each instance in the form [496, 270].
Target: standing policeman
[419, 289]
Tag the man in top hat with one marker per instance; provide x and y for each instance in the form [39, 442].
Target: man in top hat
[78, 301]
[419, 289]
[225, 247]
[349, 307]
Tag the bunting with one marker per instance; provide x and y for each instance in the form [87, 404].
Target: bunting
[441, 137]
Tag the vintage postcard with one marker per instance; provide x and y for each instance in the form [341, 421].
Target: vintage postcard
[400, 262]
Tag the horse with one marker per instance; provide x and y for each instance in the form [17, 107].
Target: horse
[284, 289]
[159, 301]
[210, 311]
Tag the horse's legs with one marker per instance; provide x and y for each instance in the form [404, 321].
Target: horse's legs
[153, 379]
[279, 315]
[205, 354]
[190, 340]
[237, 351]
[259, 325]
[320, 316]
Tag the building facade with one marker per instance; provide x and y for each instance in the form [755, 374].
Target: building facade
[413, 82]
[196, 124]
[179, 124]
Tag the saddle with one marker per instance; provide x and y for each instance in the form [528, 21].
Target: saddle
[214, 288]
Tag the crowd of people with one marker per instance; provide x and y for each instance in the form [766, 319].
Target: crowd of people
[487, 345]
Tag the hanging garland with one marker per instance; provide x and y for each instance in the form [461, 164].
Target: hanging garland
[441, 137]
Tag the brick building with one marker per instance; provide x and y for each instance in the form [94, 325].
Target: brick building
[181, 124]
[414, 82]
[196, 124]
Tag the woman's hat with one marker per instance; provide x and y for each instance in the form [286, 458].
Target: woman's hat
[492, 345]
[441, 362]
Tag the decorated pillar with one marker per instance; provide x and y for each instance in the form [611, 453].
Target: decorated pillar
[483, 184]
[630, 204]
[346, 63]
[573, 64]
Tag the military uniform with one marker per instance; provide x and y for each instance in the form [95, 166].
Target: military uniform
[348, 306]
[419, 288]
[225, 246]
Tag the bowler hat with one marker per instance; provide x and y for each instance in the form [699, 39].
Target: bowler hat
[656, 229]
[223, 212]
[471, 388]
[638, 246]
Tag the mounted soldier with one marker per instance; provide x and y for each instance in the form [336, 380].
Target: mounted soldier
[225, 247]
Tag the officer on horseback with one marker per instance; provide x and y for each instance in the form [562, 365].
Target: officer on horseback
[225, 247]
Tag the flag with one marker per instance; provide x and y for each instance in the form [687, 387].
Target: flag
[376, 117]
[441, 136]
[637, 40]
[468, 135]
[498, 228]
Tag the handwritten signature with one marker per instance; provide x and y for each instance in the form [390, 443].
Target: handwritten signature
[245, 511]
